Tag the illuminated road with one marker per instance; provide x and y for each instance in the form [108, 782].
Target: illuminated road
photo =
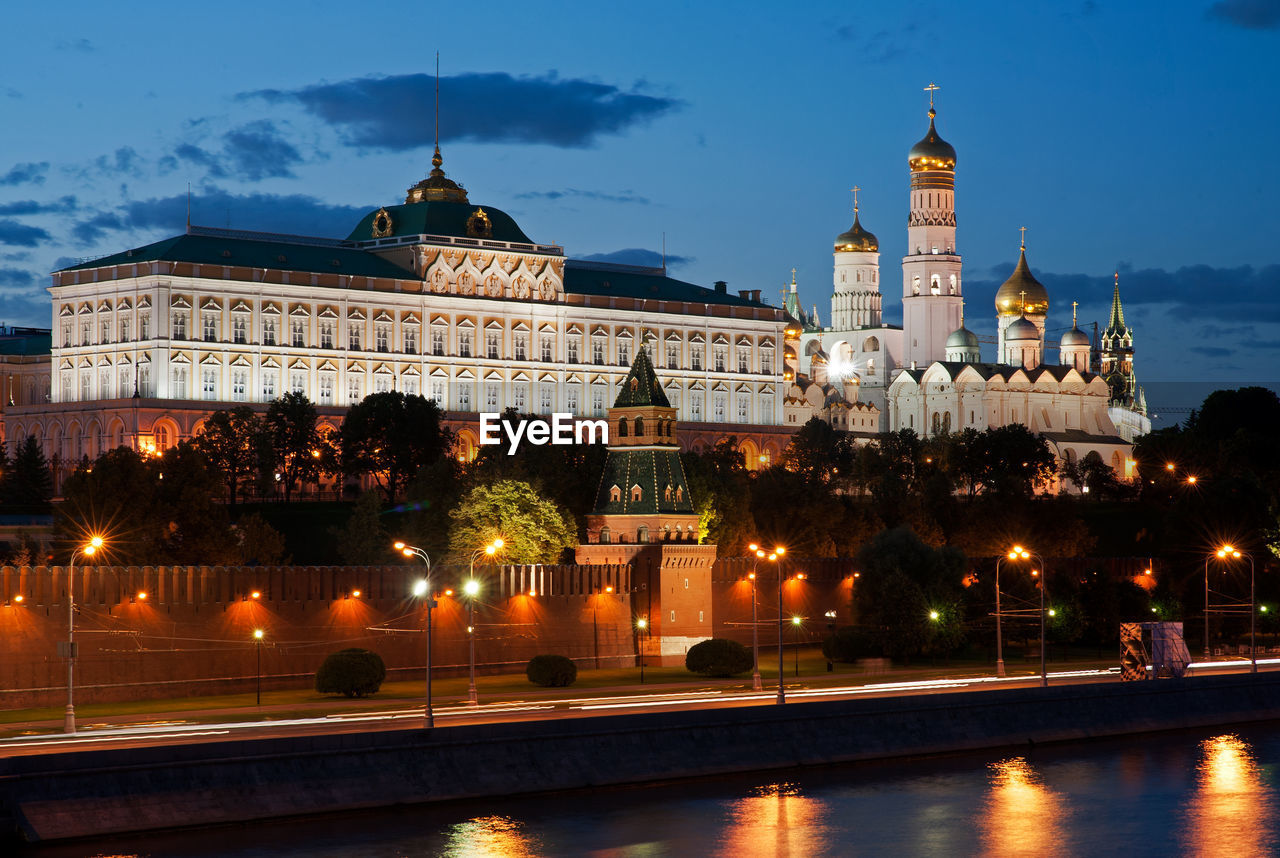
[185, 732]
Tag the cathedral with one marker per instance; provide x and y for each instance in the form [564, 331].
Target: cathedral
[929, 375]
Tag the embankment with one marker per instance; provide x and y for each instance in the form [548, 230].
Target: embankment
[98, 792]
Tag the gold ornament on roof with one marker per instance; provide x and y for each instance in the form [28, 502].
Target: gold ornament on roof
[382, 224]
[479, 225]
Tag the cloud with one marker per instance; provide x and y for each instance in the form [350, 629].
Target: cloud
[83, 46]
[395, 112]
[20, 234]
[295, 214]
[62, 205]
[24, 174]
[17, 277]
[1194, 292]
[124, 160]
[624, 197]
[1247, 14]
[880, 45]
[253, 152]
[1211, 351]
[638, 256]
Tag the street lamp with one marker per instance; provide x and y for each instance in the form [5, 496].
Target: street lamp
[471, 589]
[642, 624]
[1015, 553]
[795, 624]
[595, 628]
[423, 588]
[1233, 553]
[775, 557]
[86, 550]
[257, 644]
[756, 685]
[1020, 553]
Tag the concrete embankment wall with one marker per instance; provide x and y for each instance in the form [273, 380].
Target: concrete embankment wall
[98, 792]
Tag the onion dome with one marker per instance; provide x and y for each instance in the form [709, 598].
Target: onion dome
[962, 339]
[436, 186]
[1075, 338]
[1020, 329]
[857, 238]
[932, 153]
[1022, 293]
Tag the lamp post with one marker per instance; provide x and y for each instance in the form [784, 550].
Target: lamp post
[423, 588]
[1020, 553]
[595, 628]
[1226, 552]
[775, 557]
[1206, 607]
[86, 550]
[795, 624]
[1013, 554]
[472, 588]
[1044, 676]
[257, 644]
[756, 685]
[643, 625]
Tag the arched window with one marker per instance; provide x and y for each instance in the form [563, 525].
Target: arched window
[946, 422]
[935, 423]
[915, 284]
[953, 284]
[935, 282]
[604, 536]
[642, 535]
[160, 435]
[622, 427]
[639, 425]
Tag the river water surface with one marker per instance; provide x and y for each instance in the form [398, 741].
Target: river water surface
[1208, 793]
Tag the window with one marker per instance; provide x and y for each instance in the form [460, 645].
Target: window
[144, 326]
[66, 336]
[574, 343]
[571, 400]
[239, 330]
[437, 393]
[209, 383]
[144, 382]
[382, 337]
[437, 342]
[210, 327]
[124, 330]
[464, 397]
[519, 397]
[624, 353]
[239, 381]
[326, 335]
[411, 340]
[179, 383]
[179, 326]
[326, 389]
[546, 344]
[297, 382]
[353, 389]
[353, 336]
[597, 350]
[410, 386]
[160, 435]
[605, 536]
[104, 384]
[744, 407]
[491, 346]
[522, 343]
[766, 361]
[935, 282]
[268, 332]
[673, 353]
[695, 358]
[491, 396]
[299, 333]
[695, 407]
[953, 285]
[636, 494]
[106, 331]
[597, 401]
[615, 494]
[719, 408]
[720, 358]
[744, 359]
[546, 398]
[464, 344]
[84, 334]
[269, 384]
[915, 285]
[382, 383]
[125, 389]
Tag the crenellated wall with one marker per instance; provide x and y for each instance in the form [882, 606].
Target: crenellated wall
[174, 631]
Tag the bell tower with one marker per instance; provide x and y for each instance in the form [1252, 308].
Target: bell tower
[931, 291]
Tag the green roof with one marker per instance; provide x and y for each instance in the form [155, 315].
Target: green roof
[26, 343]
[626, 281]
[439, 217]
[641, 385]
[653, 471]
[213, 247]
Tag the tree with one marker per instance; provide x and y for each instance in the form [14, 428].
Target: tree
[392, 436]
[232, 441]
[256, 543]
[27, 483]
[818, 452]
[532, 528]
[1015, 461]
[551, 671]
[351, 672]
[718, 657]
[364, 541]
[293, 440]
[720, 487]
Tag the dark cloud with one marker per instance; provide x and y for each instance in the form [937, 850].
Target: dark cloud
[880, 45]
[20, 234]
[295, 214]
[83, 46]
[395, 112]
[252, 152]
[62, 205]
[10, 92]
[25, 174]
[624, 197]
[65, 262]
[1248, 14]
[17, 277]
[124, 160]
[1194, 292]
[639, 256]
[1211, 351]
[1255, 343]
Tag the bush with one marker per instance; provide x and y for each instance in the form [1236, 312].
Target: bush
[351, 672]
[718, 657]
[551, 671]
[850, 643]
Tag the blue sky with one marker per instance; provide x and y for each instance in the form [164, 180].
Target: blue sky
[1128, 135]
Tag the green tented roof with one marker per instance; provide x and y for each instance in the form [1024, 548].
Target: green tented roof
[641, 385]
[439, 217]
[653, 471]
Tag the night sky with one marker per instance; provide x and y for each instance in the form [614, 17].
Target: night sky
[1133, 136]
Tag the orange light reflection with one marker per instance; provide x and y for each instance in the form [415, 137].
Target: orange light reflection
[492, 836]
[1229, 814]
[1022, 816]
[777, 820]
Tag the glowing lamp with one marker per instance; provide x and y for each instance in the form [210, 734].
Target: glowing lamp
[533, 592]
[400, 546]
[795, 621]
[754, 547]
[96, 542]
[18, 598]
[933, 615]
[255, 595]
[355, 593]
[497, 543]
[448, 592]
[142, 596]
[472, 587]
[257, 634]
[608, 589]
[642, 623]
[419, 588]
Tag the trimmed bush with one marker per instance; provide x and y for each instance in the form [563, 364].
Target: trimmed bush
[551, 671]
[351, 672]
[850, 643]
[718, 657]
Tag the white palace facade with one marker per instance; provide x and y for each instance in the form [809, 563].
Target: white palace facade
[437, 296]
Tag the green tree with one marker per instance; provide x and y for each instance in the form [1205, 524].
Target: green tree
[532, 528]
[818, 453]
[292, 440]
[27, 484]
[232, 441]
[364, 540]
[720, 487]
[391, 436]
[1015, 461]
[255, 543]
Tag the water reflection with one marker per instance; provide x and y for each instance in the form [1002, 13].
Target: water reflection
[1230, 809]
[776, 819]
[1022, 816]
[495, 836]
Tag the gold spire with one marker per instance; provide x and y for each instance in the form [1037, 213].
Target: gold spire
[436, 186]
[931, 89]
[855, 200]
[1023, 230]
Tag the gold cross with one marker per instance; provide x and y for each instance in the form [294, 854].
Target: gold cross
[1023, 230]
[855, 198]
[931, 89]
[1074, 304]
[1023, 293]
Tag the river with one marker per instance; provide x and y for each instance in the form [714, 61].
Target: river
[1207, 793]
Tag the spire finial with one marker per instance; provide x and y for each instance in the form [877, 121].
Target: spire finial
[855, 200]
[436, 160]
[793, 280]
[1023, 230]
[1023, 293]
[1074, 304]
[931, 89]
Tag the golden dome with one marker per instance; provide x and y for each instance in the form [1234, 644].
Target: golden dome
[1022, 292]
[857, 238]
[932, 153]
